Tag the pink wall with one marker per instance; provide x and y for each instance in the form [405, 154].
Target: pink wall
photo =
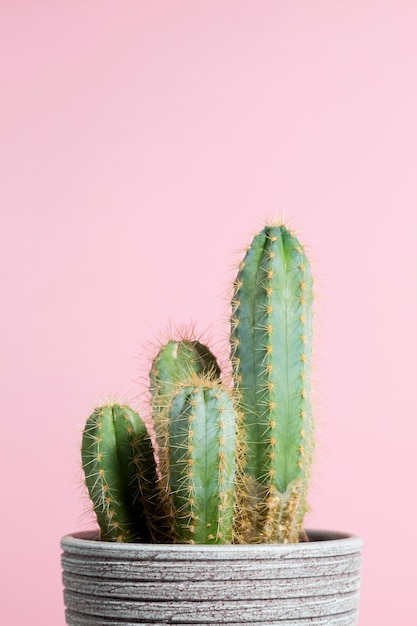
[142, 142]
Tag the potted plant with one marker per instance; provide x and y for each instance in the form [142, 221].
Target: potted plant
[212, 531]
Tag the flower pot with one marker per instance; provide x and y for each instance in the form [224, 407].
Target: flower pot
[305, 584]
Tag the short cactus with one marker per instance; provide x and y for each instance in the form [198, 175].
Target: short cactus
[176, 361]
[120, 473]
[271, 354]
[198, 461]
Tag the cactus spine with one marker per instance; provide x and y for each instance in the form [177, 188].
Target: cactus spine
[120, 474]
[198, 461]
[271, 356]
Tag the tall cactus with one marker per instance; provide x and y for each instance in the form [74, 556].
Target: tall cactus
[271, 338]
[198, 463]
[120, 473]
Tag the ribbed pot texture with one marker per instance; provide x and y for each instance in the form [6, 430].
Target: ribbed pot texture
[305, 584]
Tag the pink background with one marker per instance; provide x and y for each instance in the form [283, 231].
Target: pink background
[142, 143]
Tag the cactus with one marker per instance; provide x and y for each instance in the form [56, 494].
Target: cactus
[176, 361]
[198, 460]
[120, 474]
[233, 464]
[271, 333]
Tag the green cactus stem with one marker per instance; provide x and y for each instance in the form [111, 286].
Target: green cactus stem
[177, 361]
[198, 463]
[271, 355]
[120, 474]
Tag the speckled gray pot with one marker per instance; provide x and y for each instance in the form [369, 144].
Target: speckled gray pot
[305, 584]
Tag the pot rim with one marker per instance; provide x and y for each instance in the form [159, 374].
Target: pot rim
[321, 541]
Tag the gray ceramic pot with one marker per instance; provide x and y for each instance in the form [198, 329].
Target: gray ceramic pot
[305, 584]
